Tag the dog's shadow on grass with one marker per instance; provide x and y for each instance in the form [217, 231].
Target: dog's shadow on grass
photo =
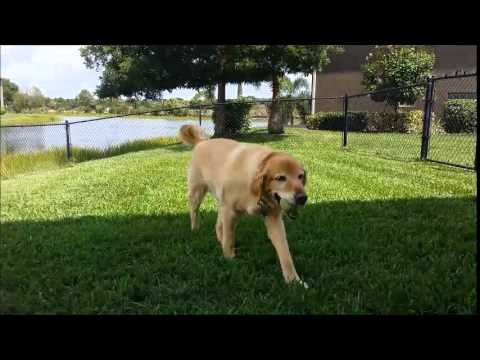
[261, 136]
[383, 253]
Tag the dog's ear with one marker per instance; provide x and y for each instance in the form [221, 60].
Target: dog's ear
[258, 182]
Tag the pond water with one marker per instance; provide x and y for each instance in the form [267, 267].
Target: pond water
[95, 134]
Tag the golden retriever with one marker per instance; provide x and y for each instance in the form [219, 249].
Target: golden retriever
[245, 179]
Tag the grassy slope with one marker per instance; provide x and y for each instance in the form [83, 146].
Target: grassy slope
[28, 119]
[112, 236]
[41, 118]
[12, 164]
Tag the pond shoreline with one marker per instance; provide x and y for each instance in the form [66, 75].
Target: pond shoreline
[49, 118]
[95, 134]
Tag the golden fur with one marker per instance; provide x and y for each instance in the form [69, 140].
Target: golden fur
[245, 179]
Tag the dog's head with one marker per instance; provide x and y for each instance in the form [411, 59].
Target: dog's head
[280, 176]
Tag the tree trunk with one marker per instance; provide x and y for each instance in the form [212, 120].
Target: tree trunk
[220, 125]
[275, 124]
[239, 90]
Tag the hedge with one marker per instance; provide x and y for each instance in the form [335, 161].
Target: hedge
[236, 116]
[460, 115]
[335, 121]
[401, 122]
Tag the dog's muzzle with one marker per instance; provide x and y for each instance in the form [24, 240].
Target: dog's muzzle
[300, 198]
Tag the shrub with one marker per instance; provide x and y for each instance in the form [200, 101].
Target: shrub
[236, 116]
[409, 122]
[99, 109]
[460, 115]
[402, 122]
[335, 121]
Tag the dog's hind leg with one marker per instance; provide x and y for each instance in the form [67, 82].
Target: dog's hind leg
[227, 219]
[219, 227]
[196, 192]
[195, 197]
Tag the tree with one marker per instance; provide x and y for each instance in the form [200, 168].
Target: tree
[202, 97]
[299, 88]
[279, 60]
[86, 100]
[393, 66]
[35, 98]
[9, 90]
[147, 71]
[20, 102]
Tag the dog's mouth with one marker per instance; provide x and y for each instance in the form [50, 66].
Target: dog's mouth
[277, 197]
[290, 211]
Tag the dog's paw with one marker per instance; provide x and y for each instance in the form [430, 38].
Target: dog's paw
[229, 254]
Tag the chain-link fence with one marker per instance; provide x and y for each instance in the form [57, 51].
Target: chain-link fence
[440, 125]
[378, 123]
[454, 107]
[30, 138]
[104, 134]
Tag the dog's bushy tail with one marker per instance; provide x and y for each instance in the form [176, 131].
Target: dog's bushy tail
[191, 134]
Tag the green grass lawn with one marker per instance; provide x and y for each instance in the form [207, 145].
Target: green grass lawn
[378, 236]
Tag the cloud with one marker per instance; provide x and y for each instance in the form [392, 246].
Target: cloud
[58, 70]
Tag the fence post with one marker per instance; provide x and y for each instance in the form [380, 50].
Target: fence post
[476, 149]
[69, 145]
[345, 119]
[427, 115]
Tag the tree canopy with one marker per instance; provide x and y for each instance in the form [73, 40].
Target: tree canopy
[393, 66]
[9, 90]
[137, 70]
[149, 70]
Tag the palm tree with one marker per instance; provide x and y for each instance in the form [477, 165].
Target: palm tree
[239, 90]
[255, 84]
[291, 90]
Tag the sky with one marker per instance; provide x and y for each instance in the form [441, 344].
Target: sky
[59, 71]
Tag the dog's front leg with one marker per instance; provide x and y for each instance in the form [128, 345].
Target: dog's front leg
[278, 237]
[227, 217]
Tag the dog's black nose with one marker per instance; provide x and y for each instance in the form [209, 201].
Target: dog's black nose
[301, 198]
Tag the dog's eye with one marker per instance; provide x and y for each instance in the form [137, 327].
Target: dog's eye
[281, 178]
[300, 176]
